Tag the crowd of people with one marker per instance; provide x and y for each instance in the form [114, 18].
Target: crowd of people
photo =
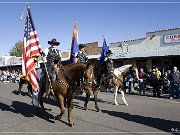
[9, 76]
[166, 83]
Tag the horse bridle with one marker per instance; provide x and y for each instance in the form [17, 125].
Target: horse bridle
[85, 82]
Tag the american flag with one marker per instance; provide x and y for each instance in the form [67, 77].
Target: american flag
[30, 51]
[74, 45]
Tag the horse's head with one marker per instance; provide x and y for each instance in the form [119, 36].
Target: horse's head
[134, 72]
[88, 77]
[126, 70]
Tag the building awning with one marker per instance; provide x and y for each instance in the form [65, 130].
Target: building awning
[163, 51]
[2, 61]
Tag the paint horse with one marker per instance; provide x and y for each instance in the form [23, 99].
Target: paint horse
[64, 85]
[119, 75]
[118, 79]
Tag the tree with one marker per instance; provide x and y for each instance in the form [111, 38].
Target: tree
[16, 50]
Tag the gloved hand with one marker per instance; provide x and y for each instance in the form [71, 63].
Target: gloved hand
[35, 93]
[35, 98]
[42, 54]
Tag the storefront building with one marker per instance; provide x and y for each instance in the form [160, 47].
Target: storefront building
[158, 49]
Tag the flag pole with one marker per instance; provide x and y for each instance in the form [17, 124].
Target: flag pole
[21, 17]
[47, 74]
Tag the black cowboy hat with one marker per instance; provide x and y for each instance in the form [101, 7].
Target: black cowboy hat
[54, 42]
[82, 45]
[110, 52]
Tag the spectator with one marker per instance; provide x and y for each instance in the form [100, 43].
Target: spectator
[166, 83]
[142, 80]
[154, 83]
[129, 80]
[174, 78]
[158, 73]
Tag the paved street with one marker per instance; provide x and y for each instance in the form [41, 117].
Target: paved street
[143, 115]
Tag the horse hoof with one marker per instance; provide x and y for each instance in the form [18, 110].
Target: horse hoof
[98, 110]
[71, 125]
[85, 105]
[115, 103]
[85, 108]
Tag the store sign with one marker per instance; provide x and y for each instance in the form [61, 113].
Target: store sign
[174, 38]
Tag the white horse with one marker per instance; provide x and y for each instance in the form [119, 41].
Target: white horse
[120, 74]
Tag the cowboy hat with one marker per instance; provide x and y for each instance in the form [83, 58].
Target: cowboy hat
[54, 42]
[82, 45]
[110, 52]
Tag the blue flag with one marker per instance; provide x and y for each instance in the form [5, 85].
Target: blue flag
[104, 51]
[74, 45]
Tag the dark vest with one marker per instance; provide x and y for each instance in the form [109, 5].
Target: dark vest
[81, 57]
[53, 56]
[109, 64]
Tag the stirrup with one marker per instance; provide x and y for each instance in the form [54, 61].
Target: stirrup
[51, 92]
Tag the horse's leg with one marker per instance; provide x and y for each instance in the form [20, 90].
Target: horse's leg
[29, 89]
[87, 100]
[61, 106]
[115, 95]
[20, 86]
[123, 98]
[19, 90]
[95, 100]
[70, 103]
[42, 106]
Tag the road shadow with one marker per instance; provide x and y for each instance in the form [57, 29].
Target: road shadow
[26, 110]
[98, 100]
[161, 124]
[50, 101]
[82, 98]
[16, 92]
[18, 107]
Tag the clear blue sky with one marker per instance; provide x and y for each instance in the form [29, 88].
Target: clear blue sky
[116, 21]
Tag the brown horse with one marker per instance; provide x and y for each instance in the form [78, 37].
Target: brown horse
[65, 85]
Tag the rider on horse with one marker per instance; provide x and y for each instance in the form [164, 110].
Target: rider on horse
[81, 54]
[81, 58]
[53, 57]
[109, 64]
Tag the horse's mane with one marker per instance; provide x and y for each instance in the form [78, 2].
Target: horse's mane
[124, 68]
[72, 65]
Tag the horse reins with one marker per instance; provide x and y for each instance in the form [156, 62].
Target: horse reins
[66, 84]
[106, 77]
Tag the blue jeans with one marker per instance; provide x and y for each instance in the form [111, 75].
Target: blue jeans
[174, 89]
[141, 87]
